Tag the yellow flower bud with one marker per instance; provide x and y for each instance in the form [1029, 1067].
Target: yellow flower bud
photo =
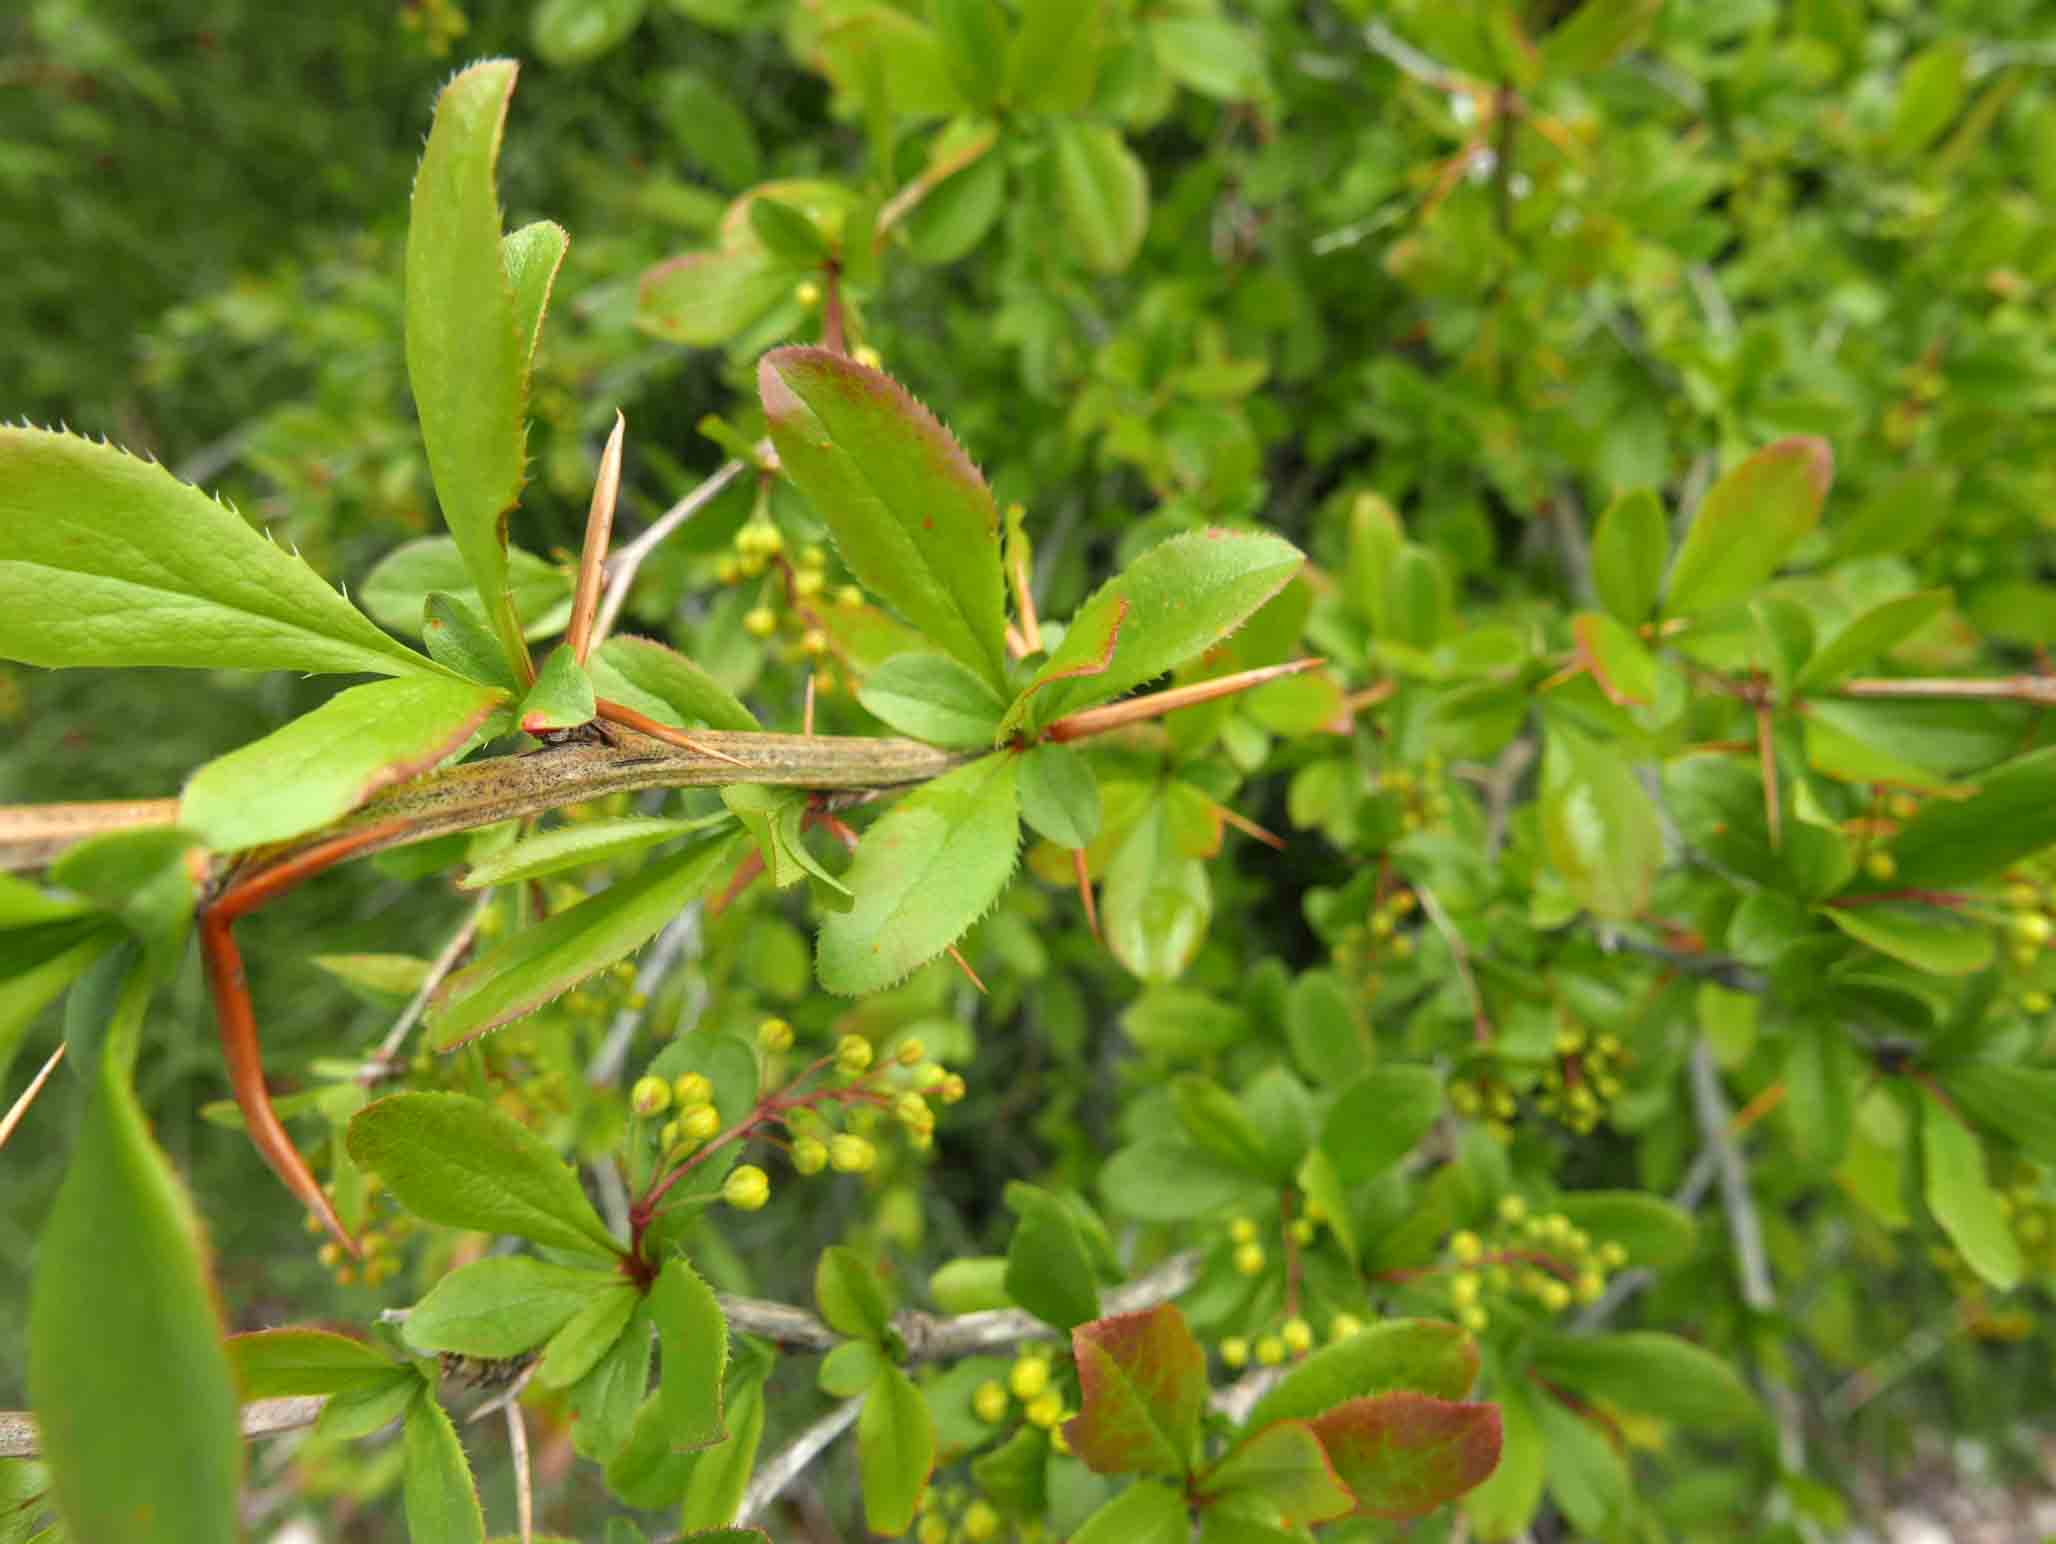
[989, 1404]
[1270, 1350]
[851, 1155]
[1474, 1319]
[852, 1055]
[775, 1035]
[1028, 1377]
[1512, 1208]
[1235, 1352]
[868, 357]
[760, 622]
[1466, 1247]
[1242, 1229]
[980, 1522]
[1464, 1287]
[1303, 1230]
[910, 1052]
[650, 1096]
[698, 1123]
[1045, 1409]
[1249, 1259]
[1298, 1336]
[747, 1188]
[693, 1088]
[1344, 1325]
[809, 1155]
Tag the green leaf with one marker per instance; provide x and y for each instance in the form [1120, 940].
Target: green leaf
[1059, 795]
[397, 591]
[1157, 899]
[924, 873]
[974, 47]
[719, 1475]
[1652, 1372]
[1925, 937]
[1141, 1391]
[1654, 1232]
[1425, 1356]
[1629, 547]
[607, 1398]
[1931, 92]
[144, 877]
[1215, 1120]
[540, 963]
[1049, 1271]
[532, 256]
[910, 515]
[895, 1451]
[847, 1292]
[569, 33]
[440, 1495]
[1876, 632]
[1144, 1513]
[1587, 1477]
[274, 1364]
[1961, 841]
[588, 1334]
[2017, 1102]
[1055, 55]
[501, 1306]
[666, 685]
[372, 1406]
[1404, 1454]
[107, 560]
[1621, 665]
[133, 1394]
[706, 298]
[455, 634]
[562, 697]
[1158, 1181]
[1501, 1506]
[692, 1338]
[1598, 826]
[787, 233]
[1595, 34]
[584, 845]
[1901, 515]
[1281, 1472]
[1961, 1197]
[711, 127]
[933, 698]
[1177, 599]
[1379, 1119]
[850, 1369]
[1102, 193]
[1209, 54]
[970, 1283]
[459, 1161]
[1747, 523]
[466, 357]
[775, 819]
[324, 764]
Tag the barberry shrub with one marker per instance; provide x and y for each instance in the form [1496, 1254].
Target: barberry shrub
[1491, 969]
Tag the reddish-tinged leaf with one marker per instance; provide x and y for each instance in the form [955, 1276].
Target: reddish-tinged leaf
[1405, 1454]
[1620, 664]
[1747, 522]
[1282, 1470]
[1142, 1387]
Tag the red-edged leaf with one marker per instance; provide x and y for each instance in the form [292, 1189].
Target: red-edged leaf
[1748, 522]
[1405, 1454]
[1142, 1387]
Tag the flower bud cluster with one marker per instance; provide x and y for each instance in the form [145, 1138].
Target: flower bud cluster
[379, 1242]
[1523, 1264]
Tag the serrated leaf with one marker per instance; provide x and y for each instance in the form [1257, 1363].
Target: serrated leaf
[1960, 1195]
[847, 1292]
[1177, 599]
[895, 1451]
[692, 1339]
[458, 1161]
[581, 846]
[1747, 523]
[1283, 1471]
[466, 358]
[1652, 1372]
[1059, 795]
[588, 1334]
[1598, 826]
[274, 1364]
[109, 560]
[909, 513]
[1960, 841]
[324, 764]
[1876, 632]
[1157, 900]
[667, 686]
[397, 590]
[719, 1475]
[933, 698]
[1425, 1356]
[1378, 1119]
[358, 1412]
[453, 631]
[501, 1306]
[440, 1496]
[775, 819]
[1629, 547]
[607, 1398]
[1141, 1391]
[706, 298]
[562, 697]
[1049, 1270]
[121, 1284]
[923, 874]
[531, 256]
[1403, 1454]
[2018, 1102]
[540, 963]
[1925, 937]
[1102, 191]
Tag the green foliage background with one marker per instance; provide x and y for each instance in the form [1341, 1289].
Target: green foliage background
[1829, 217]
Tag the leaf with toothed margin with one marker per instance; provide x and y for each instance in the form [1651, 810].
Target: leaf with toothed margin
[923, 874]
[666, 685]
[439, 1493]
[541, 963]
[323, 765]
[1141, 1392]
[532, 256]
[467, 360]
[1178, 598]
[910, 515]
[110, 560]
[562, 697]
